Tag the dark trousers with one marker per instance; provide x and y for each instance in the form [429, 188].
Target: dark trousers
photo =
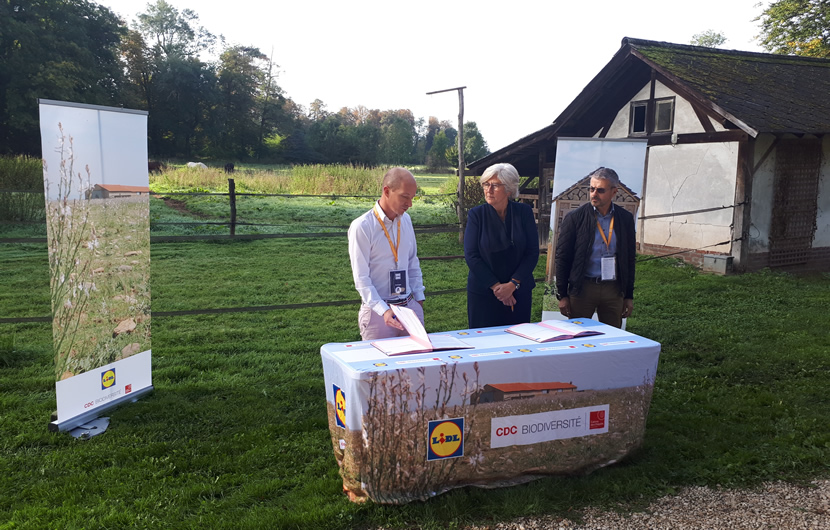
[604, 298]
[485, 310]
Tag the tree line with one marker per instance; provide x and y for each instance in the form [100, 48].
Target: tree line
[230, 107]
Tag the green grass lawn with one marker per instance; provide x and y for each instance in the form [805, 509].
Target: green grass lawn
[235, 433]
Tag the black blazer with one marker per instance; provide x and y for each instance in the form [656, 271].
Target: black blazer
[490, 264]
[573, 249]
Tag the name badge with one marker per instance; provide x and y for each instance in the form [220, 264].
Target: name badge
[397, 282]
[609, 268]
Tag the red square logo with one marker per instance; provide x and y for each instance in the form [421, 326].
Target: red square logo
[597, 419]
[128, 389]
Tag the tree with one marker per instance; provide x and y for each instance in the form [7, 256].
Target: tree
[797, 27]
[53, 49]
[317, 110]
[179, 88]
[247, 112]
[397, 137]
[474, 145]
[174, 33]
[437, 155]
[709, 38]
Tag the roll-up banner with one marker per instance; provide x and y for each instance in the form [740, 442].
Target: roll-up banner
[576, 158]
[98, 227]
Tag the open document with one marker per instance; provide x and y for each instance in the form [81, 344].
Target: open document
[551, 330]
[418, 341]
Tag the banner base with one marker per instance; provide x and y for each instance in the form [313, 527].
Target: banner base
[88, 417]
[93, 428]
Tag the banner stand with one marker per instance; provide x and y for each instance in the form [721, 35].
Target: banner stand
[76, 422]
[93, 428]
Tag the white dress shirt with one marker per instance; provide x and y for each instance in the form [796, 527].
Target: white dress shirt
[372, 258]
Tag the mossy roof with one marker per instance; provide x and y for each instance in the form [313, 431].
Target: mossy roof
[754, 92]
[768, 92]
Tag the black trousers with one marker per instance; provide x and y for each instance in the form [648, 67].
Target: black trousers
[485, 310]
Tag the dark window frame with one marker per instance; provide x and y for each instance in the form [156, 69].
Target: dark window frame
[643, 115]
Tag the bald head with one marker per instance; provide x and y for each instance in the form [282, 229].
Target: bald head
[399, 188]
[397, 177]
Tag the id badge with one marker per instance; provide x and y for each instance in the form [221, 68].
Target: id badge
[397, 282]
[609, 268]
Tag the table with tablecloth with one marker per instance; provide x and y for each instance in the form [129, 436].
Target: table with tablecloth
[507, 410]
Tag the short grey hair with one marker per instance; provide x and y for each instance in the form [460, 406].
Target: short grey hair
[506, 174]
[606, 173]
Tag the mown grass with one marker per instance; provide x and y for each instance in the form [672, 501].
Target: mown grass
[235, 433]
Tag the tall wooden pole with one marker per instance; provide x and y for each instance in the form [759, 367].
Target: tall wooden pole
[461, 208]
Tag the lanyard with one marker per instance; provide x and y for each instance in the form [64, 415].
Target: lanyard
[397, 241]
[607, 240]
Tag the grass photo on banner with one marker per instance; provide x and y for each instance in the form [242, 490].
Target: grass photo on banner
[99, 258]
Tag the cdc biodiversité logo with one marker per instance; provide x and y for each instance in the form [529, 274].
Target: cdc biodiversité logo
[446, 439]
[107, 378]
[339, 406]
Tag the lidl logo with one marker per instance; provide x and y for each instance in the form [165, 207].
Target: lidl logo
[597, 419]
[446, 439]
[524, 350]
[107, 378]
[380, 365]
[339, 407]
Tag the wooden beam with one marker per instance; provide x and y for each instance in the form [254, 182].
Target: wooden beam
[705, 122]
[700, 138]
[741, 214]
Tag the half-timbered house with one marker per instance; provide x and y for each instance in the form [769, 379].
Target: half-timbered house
[738, 157]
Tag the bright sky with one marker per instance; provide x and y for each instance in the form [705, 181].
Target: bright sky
[522, 61]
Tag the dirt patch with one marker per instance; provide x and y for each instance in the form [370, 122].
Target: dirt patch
[181, 207]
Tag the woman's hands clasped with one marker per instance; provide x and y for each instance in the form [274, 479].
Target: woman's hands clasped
[504, 293]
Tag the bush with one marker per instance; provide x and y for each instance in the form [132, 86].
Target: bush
[21, 189]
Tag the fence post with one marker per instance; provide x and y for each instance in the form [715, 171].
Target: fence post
[232, 194]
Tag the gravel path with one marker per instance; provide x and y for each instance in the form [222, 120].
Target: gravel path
[773, 506]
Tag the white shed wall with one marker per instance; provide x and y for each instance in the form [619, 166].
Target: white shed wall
[822, 238]
[762, 187]
[685, 177]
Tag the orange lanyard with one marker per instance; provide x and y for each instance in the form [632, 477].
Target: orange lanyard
[607, 240]
[385, 231]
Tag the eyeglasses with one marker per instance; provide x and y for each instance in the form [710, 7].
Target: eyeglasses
[495, 185]
[598, 190]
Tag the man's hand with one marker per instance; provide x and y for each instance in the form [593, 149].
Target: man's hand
[628, 307]
[565, 307]
[391, 321]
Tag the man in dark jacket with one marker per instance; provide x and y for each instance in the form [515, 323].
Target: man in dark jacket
[595, 256]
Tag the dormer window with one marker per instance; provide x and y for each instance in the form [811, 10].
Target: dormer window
[662, 121]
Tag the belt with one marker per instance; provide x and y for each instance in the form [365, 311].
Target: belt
[400, 301]
[597, 280]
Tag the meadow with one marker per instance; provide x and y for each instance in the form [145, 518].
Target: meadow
[236, 431]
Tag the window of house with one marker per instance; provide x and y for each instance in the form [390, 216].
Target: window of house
[638, 117]
[663, 117]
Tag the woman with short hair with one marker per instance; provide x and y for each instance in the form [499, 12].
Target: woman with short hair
[501, 247]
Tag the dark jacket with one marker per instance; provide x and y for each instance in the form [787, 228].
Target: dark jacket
[573, 249]
[490, 264]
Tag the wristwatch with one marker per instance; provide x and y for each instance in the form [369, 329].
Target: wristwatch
[516, 283]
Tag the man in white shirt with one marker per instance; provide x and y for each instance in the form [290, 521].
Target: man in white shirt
[384, 258]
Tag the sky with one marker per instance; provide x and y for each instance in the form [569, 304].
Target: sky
[522, 62]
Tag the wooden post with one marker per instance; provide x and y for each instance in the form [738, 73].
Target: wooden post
[461, 208]
[232, 194]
